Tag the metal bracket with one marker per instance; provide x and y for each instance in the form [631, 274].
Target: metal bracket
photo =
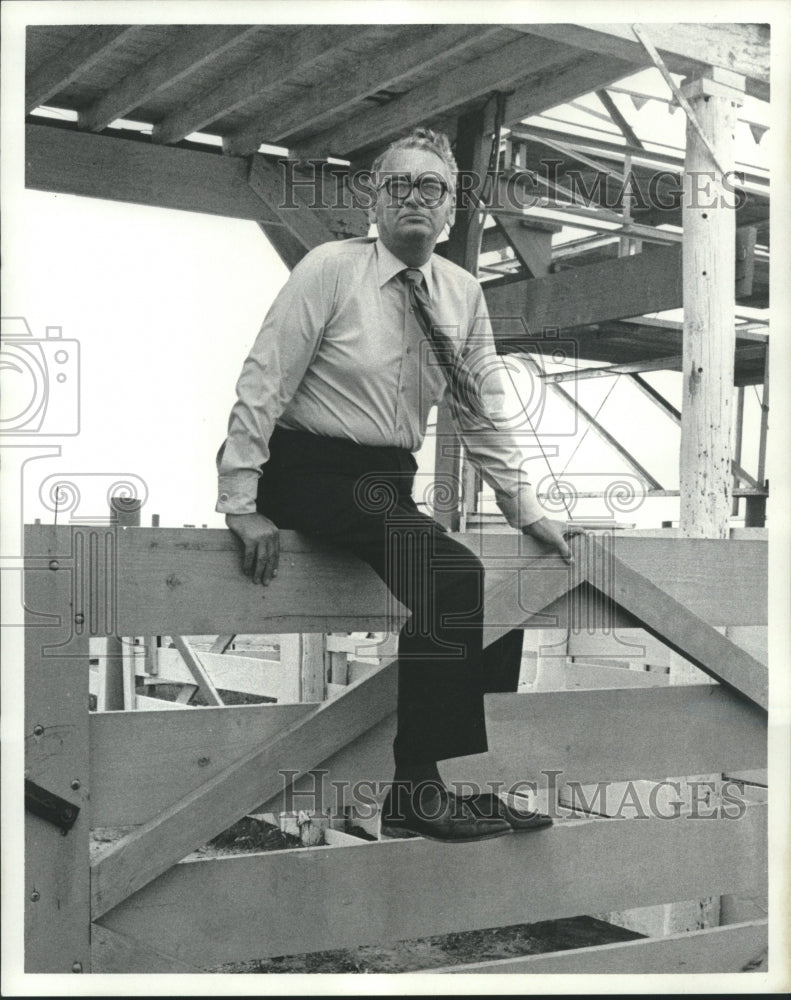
[50, 807]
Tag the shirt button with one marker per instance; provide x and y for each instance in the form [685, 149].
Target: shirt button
[223, 497]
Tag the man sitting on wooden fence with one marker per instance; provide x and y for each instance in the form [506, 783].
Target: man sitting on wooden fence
[333, 400]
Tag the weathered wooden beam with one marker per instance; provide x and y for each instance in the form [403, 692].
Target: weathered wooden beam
[56, 879]
[389, 69]
[532, 244]
[746, 353]
[115, 952]
[683, 631]
[210, 911]
[158, 844]
[280, 61]
[648, 736]
[473, 143]
[312, 216]
[197, 45]
[76, 57]
[709, 266]
[616, 115]
[118, 169]
[572, 77]
[629, 286]
[455, 88]
[197, 671]
[173, 756]
[686, 48]
[735, 948]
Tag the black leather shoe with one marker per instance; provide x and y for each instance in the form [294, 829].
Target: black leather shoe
[433, 812]
[489, 805]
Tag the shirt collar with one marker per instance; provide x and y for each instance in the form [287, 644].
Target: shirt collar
[389, 266]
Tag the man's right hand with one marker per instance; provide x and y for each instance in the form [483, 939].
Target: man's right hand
[261, 540]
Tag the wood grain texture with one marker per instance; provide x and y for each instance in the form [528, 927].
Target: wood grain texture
[121, 169]
[716, 950]
[684, 631]
[709, 255]
[390, 69]
[231, 793]
[580, 296]
[650, 733]
[210, 911]
[452, 89]
[114, 952]
[171, 756]
[57, 878]
[197, 46]
[686, 48]
[76, 57]
[281, 60]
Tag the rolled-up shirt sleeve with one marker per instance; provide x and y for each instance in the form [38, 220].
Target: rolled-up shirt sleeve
[496, 451]
[271, 374]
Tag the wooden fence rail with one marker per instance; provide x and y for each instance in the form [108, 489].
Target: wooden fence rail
[177, 779]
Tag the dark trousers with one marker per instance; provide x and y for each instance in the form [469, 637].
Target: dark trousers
[360, 498]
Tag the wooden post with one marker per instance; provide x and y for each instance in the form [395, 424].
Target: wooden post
[472, 155]
[709, 262]
[124, 512]
[57, 874]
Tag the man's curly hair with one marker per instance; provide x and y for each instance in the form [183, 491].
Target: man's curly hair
[421, 138]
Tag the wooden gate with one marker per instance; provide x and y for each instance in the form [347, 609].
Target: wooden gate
[177, 779]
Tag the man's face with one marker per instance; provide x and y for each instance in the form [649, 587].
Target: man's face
[408, 224]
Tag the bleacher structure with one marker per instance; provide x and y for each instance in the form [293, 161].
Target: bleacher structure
[648, 655]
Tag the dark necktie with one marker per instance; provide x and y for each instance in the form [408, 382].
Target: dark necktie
[464, 385]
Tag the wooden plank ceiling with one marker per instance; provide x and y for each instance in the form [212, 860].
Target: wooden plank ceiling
[345, 91]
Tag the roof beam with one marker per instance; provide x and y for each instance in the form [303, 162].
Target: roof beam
[612, 289]
[75, 58]
[686, 48]
[308, 225]
[575, 77]
[103, 166]
[387, 70]
[278, 63]
[453, 89]
[196, 46]
[615, 114]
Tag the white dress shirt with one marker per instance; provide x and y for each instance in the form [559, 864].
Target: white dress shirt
[341, 354]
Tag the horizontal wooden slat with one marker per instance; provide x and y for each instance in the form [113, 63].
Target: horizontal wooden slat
[584, 735]
[247, 674]
[716, 950]
[687, 48]
[585, 674]
[143, 762]
[103, 166]
[579, 296]
[210, 912]
[76, 57]
[151, 849]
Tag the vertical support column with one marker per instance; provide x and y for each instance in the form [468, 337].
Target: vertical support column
[124, 512]
[472, 157]
[57, 872]
[709, 242]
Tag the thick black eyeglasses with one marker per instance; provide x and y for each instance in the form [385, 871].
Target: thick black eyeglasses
[431, 188]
